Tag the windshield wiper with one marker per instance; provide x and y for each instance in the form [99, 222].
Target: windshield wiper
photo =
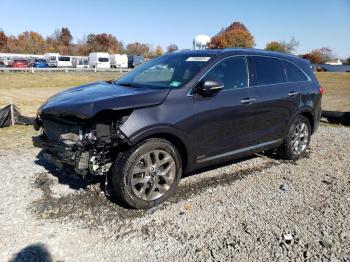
[125, 84]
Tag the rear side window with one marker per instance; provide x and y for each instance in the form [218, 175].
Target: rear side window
[268, 70]
[294, 74]
[231, 72]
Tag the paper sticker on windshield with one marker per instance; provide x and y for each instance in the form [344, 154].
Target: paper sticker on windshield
[198, 59]
[175, 83]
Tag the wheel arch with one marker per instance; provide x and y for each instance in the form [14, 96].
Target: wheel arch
[171, 135]
[177, 142]
[306, 112]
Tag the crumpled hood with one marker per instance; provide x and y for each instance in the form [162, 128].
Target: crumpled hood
[87, 100]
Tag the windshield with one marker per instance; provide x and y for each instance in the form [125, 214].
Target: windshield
[169, 71]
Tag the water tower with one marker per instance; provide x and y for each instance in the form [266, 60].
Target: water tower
[201, 42]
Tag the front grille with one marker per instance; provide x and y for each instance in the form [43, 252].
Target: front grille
[54, 130]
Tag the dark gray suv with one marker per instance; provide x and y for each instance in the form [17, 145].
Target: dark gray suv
[179, 113]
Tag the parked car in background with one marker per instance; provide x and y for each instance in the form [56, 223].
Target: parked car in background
[80, 63]
[135, 60]
[52, 59]
[179, 113]
[6, 61]
[118, 60]
[38, 63]
[20, 63]
[99, 60]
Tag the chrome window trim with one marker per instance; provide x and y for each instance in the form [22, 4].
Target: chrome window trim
[283, 83]
[250, 86]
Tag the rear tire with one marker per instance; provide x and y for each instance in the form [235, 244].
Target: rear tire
[147, 174]
[297, 141]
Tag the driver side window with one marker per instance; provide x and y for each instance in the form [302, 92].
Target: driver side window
[231, 72]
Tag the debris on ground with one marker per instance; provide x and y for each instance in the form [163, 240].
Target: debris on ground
[5, 117]
[284, 187]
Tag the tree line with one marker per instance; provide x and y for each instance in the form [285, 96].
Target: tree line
[237, 35]
[61, 41]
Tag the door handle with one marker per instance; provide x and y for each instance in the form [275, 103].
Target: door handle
[292, 93]
[247, 100]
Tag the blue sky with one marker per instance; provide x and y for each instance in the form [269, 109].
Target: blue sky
[314, 24]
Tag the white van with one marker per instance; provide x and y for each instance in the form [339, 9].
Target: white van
[118, 60]
[99, 60]
[52, 59]
[64, 61]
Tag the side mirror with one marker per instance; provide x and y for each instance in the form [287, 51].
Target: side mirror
[208, 88]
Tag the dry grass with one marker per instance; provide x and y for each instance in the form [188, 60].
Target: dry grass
[337, 91]
[16, 137]
[14, 80]
[30, 90]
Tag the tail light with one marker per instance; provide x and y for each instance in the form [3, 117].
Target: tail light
[321, 90]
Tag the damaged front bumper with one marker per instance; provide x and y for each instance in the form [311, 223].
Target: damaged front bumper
[61, 155]
[86, 151]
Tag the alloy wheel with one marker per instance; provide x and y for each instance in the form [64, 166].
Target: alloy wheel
[153, 174]
[300, 138]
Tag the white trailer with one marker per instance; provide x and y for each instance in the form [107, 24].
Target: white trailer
[99, 60]
[52, 59]
[118, 60]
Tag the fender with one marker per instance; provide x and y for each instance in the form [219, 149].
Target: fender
[158, 129]
[163, 130]
[304, 109]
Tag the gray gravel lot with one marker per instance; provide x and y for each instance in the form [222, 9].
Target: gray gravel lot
[259, 209]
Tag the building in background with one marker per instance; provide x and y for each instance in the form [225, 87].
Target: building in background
[334, 62]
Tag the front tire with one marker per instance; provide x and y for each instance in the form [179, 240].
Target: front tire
[297, 140]
[147, 174]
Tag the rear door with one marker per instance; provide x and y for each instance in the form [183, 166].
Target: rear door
[277, 100]
[225, 122]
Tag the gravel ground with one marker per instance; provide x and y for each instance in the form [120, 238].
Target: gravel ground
[258, 209]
